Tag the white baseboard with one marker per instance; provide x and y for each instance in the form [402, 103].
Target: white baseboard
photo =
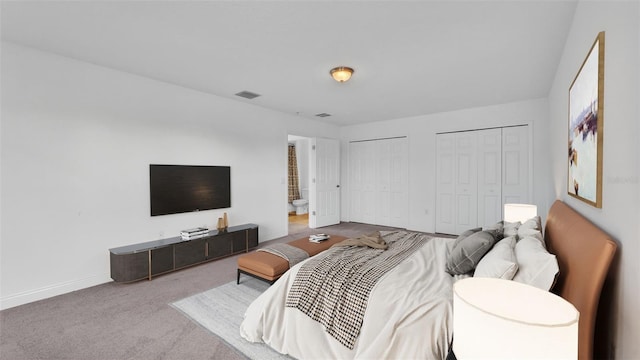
[26, 297]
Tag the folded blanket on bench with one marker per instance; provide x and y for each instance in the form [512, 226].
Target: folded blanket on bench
[290, 253]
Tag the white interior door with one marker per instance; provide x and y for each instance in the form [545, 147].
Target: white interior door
[445, 187]
[515, 163]
[362, 181]
[383, 182]
[379, 182]
[476, 173]
[466, 181]
[325, 182]
[398, 182]
[489, 176]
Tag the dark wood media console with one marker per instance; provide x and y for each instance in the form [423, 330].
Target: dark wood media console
[152, 258]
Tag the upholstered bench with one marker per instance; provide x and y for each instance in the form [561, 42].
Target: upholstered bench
[269, 267]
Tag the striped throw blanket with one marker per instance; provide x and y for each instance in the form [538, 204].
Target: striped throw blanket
[333, 287]
[290, 253]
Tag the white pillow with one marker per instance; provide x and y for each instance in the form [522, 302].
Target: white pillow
[534, 223]
[533, 228]
[500, 261]
[536, 266]
[530, 225]
[510, 228]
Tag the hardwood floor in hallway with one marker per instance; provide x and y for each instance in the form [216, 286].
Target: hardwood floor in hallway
[298, 223]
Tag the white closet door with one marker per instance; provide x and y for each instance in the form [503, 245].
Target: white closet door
[476, 173]
[515, 164]
[362, 181]
[466, 181]
[445, 193]
[379, 182]
[489, 176]
[398, 182]
[355, 181]
[383, 184]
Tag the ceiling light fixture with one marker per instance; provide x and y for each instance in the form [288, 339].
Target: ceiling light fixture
[341, 73]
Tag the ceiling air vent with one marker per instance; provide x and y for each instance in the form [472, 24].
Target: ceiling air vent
[247, 95]
[323, 115]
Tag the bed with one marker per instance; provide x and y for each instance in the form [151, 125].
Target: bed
[409, 309]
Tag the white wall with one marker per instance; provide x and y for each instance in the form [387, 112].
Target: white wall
[77, 140]
[421, 132]
[620, 213]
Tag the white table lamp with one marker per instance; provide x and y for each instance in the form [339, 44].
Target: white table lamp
[519, 212]
[504, 319]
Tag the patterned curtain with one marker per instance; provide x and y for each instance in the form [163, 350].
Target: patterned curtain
[294, 192]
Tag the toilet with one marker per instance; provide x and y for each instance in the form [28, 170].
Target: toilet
[301, 204]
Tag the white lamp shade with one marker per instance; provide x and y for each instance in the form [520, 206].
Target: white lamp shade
[519, 212]
[504, 319]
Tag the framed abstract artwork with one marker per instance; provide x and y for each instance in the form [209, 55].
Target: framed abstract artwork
[586, 100]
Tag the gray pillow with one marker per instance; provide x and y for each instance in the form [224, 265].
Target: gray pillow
[498, 229]
[466, 254]
[465, 235]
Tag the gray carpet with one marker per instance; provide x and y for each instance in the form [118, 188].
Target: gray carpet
[221, 310]
[130, 321]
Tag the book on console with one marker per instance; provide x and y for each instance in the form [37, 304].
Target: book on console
[198, 230]
[192, 237]
[194, 233]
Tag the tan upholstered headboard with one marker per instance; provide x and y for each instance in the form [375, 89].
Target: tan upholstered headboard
[584, 253]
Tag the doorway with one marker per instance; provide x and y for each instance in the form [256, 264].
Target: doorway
[298, 174]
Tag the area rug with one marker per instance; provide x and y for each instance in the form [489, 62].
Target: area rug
[221, 310]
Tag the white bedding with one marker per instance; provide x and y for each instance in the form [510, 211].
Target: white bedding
[409, 314]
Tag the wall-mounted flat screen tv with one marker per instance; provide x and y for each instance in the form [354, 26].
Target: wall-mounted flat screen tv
[186, 188]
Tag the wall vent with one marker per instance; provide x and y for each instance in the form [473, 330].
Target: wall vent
[247, 95]
[323, 115]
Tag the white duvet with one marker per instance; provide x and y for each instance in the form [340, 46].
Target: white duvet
[408, 316]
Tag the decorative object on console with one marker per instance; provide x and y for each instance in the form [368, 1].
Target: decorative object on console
[220, 224]
[226, 221]
[525, 322]
[586, 100]
[519, 212]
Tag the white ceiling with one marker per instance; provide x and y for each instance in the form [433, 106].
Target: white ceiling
[410, 58]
